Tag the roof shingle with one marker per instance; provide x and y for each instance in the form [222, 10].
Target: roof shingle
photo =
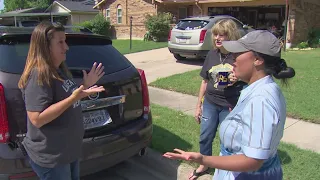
[83, 6]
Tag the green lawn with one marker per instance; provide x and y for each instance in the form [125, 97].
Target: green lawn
[303, 98]
[137, 45]
[173, 129]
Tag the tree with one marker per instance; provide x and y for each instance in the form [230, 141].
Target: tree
[11, 5]
[41, 3]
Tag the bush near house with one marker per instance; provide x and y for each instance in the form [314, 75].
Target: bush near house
[158, 26]
[98, 25]
[314, 38]
[303, 45]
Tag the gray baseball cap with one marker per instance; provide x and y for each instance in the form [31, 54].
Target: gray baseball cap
[261, 41]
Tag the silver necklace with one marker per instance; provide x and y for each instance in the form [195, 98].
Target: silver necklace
[222, 61]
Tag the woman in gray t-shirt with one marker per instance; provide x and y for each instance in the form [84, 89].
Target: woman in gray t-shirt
[52, 101]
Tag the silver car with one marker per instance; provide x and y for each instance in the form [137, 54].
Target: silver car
[191, 37]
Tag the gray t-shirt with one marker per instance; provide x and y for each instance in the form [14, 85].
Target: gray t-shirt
[60, 141]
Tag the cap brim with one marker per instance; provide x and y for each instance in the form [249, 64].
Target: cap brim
[234, 46]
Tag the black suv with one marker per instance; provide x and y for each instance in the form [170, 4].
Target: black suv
[118, 122]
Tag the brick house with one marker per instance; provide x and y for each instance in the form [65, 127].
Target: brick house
[120, 11]
[303, 15]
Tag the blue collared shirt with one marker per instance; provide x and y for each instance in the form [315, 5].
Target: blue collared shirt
[255, 126]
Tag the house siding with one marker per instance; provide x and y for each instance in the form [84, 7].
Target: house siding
[135, 8]
[79, 18]
[58, 9]
[174, 9]
[138, 9]
[303, 16]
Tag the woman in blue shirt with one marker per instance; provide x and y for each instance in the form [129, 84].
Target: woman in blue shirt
[251, 133]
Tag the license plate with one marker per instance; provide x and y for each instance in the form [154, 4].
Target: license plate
[97, 118]
[182, 40]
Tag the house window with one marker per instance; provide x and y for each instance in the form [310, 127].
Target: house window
[119, 14]
[108, 14]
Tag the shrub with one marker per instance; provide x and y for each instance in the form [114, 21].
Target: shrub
[303, 45]
[98, 25]
[158, 26]
[86, 24]
[314, 37]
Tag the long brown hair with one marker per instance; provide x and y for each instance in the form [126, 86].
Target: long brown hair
[39, 56]
[227, 27]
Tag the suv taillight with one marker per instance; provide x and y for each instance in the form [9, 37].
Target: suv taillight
[169, 35]
[145, 92]
[4, 125]
[202, 35]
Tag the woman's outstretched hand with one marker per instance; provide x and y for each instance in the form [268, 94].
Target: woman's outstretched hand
[91, 78]
[182, 155]
[81, 92]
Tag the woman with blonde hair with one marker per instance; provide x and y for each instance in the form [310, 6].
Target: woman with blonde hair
[219, 90]
[54, 117]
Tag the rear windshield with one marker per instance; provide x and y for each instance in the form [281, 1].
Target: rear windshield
[83, 52]
[191, 24]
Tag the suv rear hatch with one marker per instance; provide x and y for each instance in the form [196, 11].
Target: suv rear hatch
[189, 32]
[124, 100]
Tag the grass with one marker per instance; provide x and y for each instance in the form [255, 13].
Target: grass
[137, 45]
[303, 99]
[173, 129]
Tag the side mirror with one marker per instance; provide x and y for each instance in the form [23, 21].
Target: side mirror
[245, 26]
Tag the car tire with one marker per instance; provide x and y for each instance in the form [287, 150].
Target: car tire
[178, 57]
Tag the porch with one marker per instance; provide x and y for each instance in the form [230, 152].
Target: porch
[16, 19]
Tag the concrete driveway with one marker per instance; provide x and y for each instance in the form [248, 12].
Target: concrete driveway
[161, 63]
[156, 63]
[149, 167]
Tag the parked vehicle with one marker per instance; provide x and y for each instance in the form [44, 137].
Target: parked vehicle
[118, 122]
[191, 37]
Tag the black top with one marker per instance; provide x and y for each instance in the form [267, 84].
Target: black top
[223, 96]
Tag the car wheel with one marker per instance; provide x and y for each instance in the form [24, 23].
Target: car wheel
[178, 57]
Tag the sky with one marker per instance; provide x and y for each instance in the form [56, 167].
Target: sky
[1, 4]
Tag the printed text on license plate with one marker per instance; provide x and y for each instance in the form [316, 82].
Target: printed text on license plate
[96, 118]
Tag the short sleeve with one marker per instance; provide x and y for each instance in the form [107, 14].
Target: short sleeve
[37, 97]
[205, 68]
[259, 120]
